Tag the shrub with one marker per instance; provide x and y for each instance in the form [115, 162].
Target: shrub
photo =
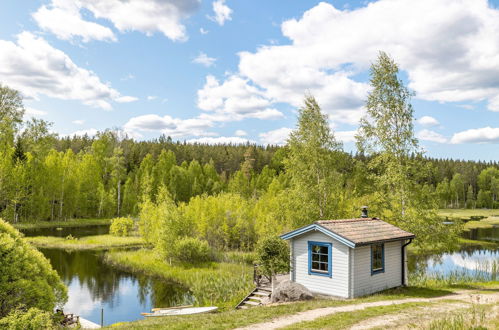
[33, 319]
[26, 276]
[121, 227]
[273, 255]
[189, 249]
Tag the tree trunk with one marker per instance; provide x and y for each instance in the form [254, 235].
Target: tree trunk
[119, 196]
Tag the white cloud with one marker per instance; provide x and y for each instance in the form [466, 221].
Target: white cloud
[126, 99]
[203, 31]
[78, 122]
[63, 17]
[328, 47]
[240, 132]
[36, 68]
[151, 97]
[222, 12]
[204, 59]
[428, 135]
[32, 112]
[221, 140]
[478, 135]
[275, 137]
[167, 125]
[345, 136]
[89, 132]
[234, 99]
[428, 121]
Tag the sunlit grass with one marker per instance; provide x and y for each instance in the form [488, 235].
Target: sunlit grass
[213, 283]
[67, 223]
[99, 242]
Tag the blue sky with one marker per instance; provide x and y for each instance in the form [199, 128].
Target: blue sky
[217, 71]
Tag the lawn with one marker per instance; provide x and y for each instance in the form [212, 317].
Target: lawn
[68, 223]
[99, 242]
[231, 319]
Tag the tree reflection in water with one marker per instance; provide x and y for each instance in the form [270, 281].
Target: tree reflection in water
[120, 292]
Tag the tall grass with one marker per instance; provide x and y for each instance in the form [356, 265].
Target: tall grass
[484, 271]
[212, 283]
[98, 242]
[473, 318]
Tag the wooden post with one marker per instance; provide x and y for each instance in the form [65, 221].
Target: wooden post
[102, 317]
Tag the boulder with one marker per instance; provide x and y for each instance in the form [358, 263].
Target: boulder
[290, 291]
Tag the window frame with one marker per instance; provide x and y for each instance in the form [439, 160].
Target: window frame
[329, 246]
[382, 269]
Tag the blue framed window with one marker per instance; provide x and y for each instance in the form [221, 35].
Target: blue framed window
[320, 257]
[377, 258]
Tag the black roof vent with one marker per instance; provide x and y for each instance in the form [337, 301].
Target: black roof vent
[364, 212]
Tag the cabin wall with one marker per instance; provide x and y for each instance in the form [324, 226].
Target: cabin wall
[364, 283]
[337, 284]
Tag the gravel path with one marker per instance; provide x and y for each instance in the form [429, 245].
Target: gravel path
[310, 315]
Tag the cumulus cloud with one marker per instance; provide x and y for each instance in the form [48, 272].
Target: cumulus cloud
[78, 122]
[167, 125]
[204, 59]
[234, 99]
[429, 135]
[478, 135]
[345, 136]
[221, 140]
[277, 137]
[428, 121]
[240, 132]
[328, 47]
[89, 132]
[32, 112]
[222, 12]
[34, 67]
[64, 19]
[203, 31]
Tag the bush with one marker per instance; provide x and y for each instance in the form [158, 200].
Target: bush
[273, 255]
[26, 276]
[121, 227]
[191, 250]
[33, 319]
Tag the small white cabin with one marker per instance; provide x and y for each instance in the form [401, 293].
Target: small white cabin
[349, 258]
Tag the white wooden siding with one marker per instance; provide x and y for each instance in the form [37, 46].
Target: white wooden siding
[337, 285]
[364, 283]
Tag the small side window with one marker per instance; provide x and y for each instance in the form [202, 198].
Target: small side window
[377, 258]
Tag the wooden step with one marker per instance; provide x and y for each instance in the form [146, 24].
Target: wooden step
[249, 302]
[259, 293]
[264, 289]
[256, 298]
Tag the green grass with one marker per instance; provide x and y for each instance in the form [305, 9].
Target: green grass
[230, 319]
[221, 284]
[68, 223]
[467, 213]
[485, 223]
[99, 242]
[345, 320]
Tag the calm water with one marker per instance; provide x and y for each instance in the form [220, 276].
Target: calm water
[94, 285]
[65, 231]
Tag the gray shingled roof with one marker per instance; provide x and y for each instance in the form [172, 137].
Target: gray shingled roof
[365, 230]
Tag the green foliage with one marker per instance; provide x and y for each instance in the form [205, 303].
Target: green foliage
[27, 278]
[192, 250]
[121, 226]
[32, 319]
[273, 255]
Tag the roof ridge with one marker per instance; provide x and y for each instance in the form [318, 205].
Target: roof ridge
[346, 220]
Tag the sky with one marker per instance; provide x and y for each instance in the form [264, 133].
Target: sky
[216, 71]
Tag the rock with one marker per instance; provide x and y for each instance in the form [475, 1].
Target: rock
[290, 291]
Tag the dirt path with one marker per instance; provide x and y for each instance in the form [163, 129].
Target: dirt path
[310, 315]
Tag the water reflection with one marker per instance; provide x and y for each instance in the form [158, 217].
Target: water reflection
[93, 285]
[483, 234]
[65, 231]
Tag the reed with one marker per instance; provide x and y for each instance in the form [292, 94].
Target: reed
[212, 283]
[98, 242]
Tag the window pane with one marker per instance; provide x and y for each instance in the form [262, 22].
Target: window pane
[324, 257]
[324, 249]
[323, 266]
[315, 257]
[315, 265]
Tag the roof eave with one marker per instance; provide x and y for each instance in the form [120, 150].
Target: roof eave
[385, 240]
[317, 227]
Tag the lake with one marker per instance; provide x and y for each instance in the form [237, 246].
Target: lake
[94, 285]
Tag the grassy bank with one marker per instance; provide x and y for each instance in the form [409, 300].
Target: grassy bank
[67, 223]
[485, 223]
[468, 213]
[99, 242]
[231, 319]
[222, 284]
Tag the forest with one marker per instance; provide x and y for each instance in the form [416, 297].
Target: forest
[232, 195]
